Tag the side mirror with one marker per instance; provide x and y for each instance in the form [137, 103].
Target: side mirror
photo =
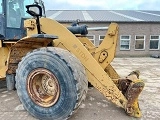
[34, 10]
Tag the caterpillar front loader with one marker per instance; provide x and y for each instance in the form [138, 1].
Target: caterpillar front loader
[50, 65]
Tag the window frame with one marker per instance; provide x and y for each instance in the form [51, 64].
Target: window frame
[125, 40]
[154, 40]
[91, 39]
[100, 38]
[140, 39]
[15, 22]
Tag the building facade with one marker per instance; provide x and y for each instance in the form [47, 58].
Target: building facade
[139, 32]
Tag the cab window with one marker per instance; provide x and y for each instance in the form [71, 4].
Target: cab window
[1, 6]
[16, 10]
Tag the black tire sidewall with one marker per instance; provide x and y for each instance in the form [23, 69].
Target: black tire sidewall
[62, 71]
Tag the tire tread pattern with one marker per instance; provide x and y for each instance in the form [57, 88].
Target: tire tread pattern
[73, 63]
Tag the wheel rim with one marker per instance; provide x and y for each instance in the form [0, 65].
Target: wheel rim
[43, 87]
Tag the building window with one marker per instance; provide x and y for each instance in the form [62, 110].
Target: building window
[154, 42]
[101, 37]
[125, 42]
[91, 38]
[139, 42]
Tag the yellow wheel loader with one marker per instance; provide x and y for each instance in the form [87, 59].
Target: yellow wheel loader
[50, 65]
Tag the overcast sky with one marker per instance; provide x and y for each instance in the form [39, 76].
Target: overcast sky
[102, 4]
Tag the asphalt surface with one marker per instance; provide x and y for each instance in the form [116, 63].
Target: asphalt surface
[96, 107]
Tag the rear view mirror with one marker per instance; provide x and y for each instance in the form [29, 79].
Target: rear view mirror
[34, 10]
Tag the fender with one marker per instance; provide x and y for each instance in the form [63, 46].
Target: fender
[25, 45]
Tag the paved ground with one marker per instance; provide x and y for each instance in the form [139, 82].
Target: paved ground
[96, 107]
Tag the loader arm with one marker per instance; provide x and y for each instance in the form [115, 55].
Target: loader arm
[105, 52]
[95, 60]
[96, 75]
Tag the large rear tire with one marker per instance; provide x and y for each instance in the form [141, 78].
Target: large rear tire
[51, 83]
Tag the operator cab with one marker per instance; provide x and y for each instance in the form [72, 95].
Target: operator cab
[12, 15]
[16, 11]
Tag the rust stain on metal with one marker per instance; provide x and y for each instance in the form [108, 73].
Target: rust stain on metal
[43, 87]
[21, 48]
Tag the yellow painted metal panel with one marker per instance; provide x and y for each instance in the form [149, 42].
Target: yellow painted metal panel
[95, 72]
[4, 51]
